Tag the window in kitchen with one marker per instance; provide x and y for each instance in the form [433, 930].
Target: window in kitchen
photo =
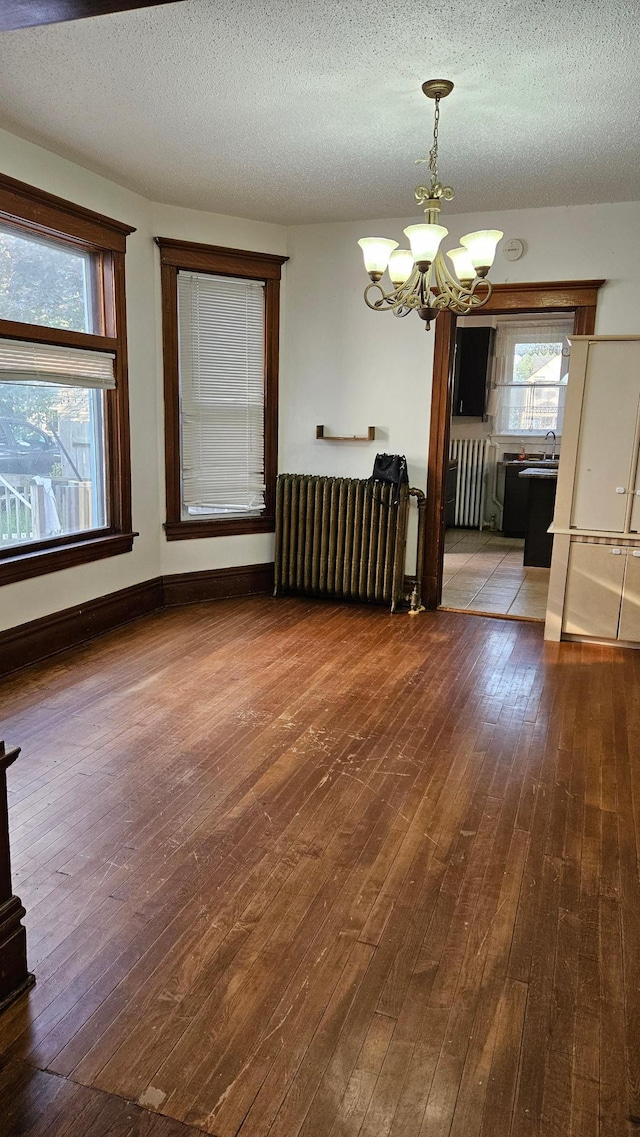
[530, 377]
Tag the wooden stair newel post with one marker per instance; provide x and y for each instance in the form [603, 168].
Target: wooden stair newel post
[14, 974]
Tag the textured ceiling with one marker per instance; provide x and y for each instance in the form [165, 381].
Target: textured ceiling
[311, 110]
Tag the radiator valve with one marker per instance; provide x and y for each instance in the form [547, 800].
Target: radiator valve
[415, 604]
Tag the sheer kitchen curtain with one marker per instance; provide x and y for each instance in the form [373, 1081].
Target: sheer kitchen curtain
[529, 376]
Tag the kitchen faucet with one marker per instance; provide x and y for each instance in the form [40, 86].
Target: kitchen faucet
[553, 435]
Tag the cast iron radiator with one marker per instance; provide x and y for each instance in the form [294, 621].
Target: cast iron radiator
[473, 458]
[340, 537]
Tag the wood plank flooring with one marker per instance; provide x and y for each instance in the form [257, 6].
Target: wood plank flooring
[310, 870]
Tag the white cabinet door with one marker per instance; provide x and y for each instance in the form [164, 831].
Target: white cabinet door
[594, 588]
[604, 465]
[635, 509]
[630, 612]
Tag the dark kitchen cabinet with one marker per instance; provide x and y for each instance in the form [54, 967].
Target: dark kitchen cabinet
[538, 542]
[516, 502]
[474, 350]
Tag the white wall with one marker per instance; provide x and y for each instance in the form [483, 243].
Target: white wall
[342, 365]
[151, 555]
[350, 368]
[345, 366]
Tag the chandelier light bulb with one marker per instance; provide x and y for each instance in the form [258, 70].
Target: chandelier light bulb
[421, 280]
[482, 248]
[463, 265]
[376, 252]
[400, 266]
[425, 242]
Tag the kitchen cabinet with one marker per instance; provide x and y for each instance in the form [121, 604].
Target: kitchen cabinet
[594, 590]
[538, 541]
[594, 586]
[603, 592]
[629, 627]
[516, 502]
[515, 505]
[473, 355]
[607, 449]
[634, 521]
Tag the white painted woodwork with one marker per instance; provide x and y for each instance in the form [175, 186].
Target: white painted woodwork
[629, 628]
[570, 433]
[594, 588]
[635, 507]
[606, 455]
[557, 585]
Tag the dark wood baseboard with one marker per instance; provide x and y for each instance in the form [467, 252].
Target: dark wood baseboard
[217, 584]
[41, 638]
[73, 626]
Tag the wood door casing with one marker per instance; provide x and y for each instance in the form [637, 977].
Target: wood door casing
[579, 297]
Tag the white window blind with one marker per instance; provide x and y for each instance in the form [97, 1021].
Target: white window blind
[529, 381]
[221, 325]
[24, 362]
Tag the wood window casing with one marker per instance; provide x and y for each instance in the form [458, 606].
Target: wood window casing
[189, 256]
[39, 213]
[577, 296]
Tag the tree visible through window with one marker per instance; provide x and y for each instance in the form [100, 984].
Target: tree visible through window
[42, 282]
[530, 376]
[52, 451]
[64, 462]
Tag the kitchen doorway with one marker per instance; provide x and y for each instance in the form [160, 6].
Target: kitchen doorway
[509, 385]
[560, 299]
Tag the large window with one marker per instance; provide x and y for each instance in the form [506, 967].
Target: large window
[64, 443]
[530, 377]
[221, 368]
[45, 282]
[221, 335]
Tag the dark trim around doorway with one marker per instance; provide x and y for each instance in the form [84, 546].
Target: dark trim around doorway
[578, 296]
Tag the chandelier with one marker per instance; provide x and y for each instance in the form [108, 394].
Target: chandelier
[421, 278]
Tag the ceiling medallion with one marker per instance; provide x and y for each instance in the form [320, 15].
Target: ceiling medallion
[421, 279]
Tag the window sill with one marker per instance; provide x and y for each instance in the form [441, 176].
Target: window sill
[23, 566]
[217, 527]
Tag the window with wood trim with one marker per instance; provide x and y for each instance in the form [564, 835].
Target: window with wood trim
[530, 371]
[221, 312]
[65, 484]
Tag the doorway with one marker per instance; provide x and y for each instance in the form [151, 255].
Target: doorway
[575, 299]
[509, 386]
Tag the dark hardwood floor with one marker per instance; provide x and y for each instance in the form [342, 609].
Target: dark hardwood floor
[310, 870]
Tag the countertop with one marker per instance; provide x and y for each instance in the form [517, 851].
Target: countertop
[536, 472]
[545, 463]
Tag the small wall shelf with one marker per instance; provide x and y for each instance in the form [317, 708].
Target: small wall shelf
[369, 437]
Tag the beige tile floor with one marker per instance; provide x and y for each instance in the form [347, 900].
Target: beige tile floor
[484, 572]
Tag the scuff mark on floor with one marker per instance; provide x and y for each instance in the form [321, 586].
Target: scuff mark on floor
[152, 1098]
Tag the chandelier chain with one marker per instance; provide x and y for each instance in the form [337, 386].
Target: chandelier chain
[433, 153]
[421, 278]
